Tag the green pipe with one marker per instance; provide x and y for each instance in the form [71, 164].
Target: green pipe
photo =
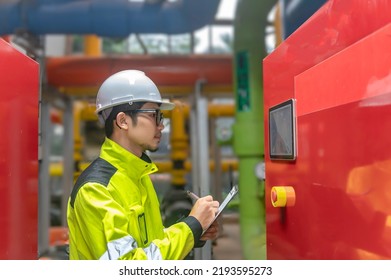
[248, 141]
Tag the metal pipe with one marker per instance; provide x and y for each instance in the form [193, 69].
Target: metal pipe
[200, 155]
[68, 154]
[106, 18]
[249, 49]
[44, 180]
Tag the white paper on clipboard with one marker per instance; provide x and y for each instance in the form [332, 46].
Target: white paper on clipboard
[228, 198]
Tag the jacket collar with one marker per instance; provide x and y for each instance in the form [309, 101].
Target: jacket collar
[123, 160]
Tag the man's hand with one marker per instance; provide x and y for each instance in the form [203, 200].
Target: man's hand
[212, 232]
[204, 210]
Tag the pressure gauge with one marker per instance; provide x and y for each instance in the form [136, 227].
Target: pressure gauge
[223, 131]
[260, 171]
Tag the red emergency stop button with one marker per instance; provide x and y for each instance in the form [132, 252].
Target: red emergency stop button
[283, 196]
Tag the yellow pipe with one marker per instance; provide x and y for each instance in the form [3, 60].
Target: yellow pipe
[221, 110]
[226, 165]
[214, 110]
[56, 169]
[92, 45]
[88, 113]
[77, 109]
[179, 145]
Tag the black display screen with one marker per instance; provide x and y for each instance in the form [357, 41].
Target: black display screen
[282, 131]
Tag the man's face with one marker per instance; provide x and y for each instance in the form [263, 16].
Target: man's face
[147, 132]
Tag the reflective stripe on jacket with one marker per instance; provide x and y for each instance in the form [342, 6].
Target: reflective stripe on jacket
[114, 212]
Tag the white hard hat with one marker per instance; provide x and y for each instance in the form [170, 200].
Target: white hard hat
[128, 86]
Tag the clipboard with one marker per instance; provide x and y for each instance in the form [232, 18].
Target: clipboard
[232, 193]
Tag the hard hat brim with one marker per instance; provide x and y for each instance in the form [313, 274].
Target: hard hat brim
[165, 105]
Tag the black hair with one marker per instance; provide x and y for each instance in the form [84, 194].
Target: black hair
[127, 109]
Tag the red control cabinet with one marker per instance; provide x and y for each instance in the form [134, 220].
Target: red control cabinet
[19, 88]
[337, 67]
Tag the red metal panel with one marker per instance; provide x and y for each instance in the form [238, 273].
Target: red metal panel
[365, 64]
[337, 25]
[337, 68]
[19, 86]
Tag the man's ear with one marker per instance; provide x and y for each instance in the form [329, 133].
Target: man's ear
[121, 120]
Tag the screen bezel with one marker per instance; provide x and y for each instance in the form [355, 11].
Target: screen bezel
[288, 108]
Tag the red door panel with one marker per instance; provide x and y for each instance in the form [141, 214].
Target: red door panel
[19, 85]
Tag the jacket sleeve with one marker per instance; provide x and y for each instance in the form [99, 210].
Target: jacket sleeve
[183, 233]
[196, 229]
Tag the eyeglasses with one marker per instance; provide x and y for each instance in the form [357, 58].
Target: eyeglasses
[154, 113]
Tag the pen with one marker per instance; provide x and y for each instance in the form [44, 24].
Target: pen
[192, 195]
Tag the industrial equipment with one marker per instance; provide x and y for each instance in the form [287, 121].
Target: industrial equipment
[336, 67]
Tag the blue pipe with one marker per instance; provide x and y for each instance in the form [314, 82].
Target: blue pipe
[106, 18]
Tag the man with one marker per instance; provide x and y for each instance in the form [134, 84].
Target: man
[113, 211]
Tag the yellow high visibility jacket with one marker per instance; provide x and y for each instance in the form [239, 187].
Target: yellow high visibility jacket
[114, 213]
